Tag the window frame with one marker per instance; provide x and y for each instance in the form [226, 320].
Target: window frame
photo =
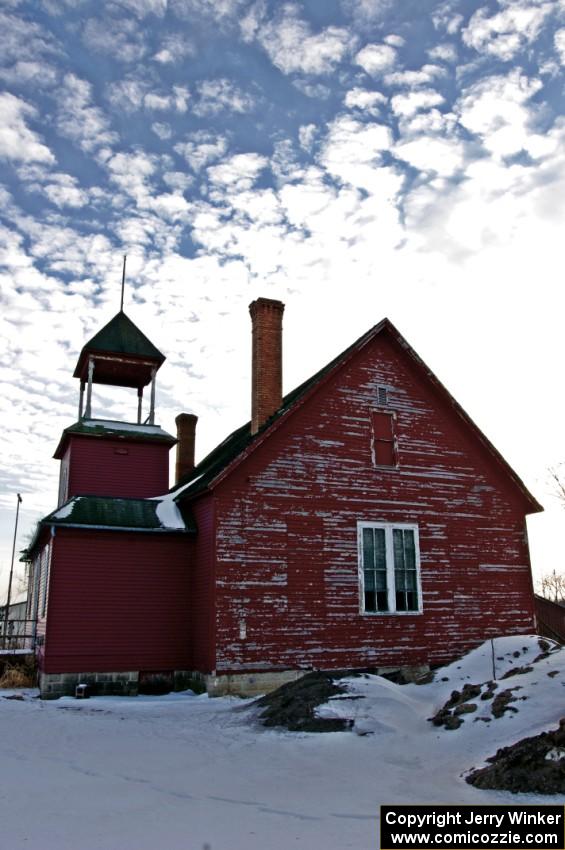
[388, 528]
[393, 441]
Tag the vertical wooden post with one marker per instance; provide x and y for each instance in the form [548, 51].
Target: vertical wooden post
[88, 411]
[139, 403]
[81, 400]
[152, 407]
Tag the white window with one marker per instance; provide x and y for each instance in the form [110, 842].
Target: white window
[389, 567]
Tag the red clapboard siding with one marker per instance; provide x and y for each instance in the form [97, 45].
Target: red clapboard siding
[287, 561]
[101, 467]
[118, 602]
[202, 602]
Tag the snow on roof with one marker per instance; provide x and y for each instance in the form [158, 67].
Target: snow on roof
[67, 509]
[168, 513]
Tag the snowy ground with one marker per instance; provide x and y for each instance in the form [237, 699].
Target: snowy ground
[185, 772]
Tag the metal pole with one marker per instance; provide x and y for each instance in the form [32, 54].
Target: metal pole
[6, 613]
[139, 403]
[123, 284]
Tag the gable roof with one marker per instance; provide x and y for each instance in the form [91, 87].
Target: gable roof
[240, 443]
[119, 336]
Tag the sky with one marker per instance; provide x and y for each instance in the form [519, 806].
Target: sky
[353, 158]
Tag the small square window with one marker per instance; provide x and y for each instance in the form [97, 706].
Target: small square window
[389, 567]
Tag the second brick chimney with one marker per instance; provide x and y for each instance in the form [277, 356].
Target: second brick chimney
[186, 435]
[266, 366]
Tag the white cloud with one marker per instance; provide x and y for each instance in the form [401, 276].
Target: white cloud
[407, 104]
[306, 135]
[317, 91]
[394, 40]
[173, 49]
[131, 172]
[217, 10]
[292, 47]
[352, 151]
[17, 141]
[443, 53]
[142, 8]
[218, 95]
[368, 101]
[63, 191]
[366, 11]
[120, 38]
[178, 180]
[496, 110]
[432, 155]
[505, 33]
[164, 131]
[78, 119]
[444, 17]
[426, 75]
[202, 149]
[559, 41]
[41, 74]
[24, 40]
[375, 59]
[131, 94]
[239, 172]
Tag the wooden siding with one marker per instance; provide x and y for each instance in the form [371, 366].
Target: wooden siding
[287, 561]
[117, 601]
[124, 469]
[550, 618]
[202, 603]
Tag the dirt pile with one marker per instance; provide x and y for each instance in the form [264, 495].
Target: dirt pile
[293, 705]
[533, 765]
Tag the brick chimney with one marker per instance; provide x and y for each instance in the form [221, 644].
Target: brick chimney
[266, 366]
[186, 433]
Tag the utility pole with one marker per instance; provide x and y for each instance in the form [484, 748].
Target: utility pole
[7, 611]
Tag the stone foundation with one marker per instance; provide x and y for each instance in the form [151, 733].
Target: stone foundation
[55, 685]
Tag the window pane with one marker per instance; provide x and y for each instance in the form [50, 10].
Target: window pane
[400, 600]
[411, 580]
[398, 549]
[380, 576]
[382, 600]
[368, 549]
[382, 426]
[412, 601]
[369, 580]
[380, 550]
[370, 601]
[409, 550]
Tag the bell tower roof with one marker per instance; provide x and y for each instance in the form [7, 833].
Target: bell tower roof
[124, 356]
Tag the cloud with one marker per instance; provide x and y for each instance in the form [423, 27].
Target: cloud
[375, 59]
[443, 53]
[445, 17]
[24, 40]
[63, 191]
[120, 38]
[559, 41]
[173, 49]
[495, 109]
[131, 172]
[78, 119]
[294, 48]
[239, 172]
[17, 141]
[406, 105]
[41, 74]
[505, 33]
[317, 91]
[352, 151]
[214, 96]
[202, 149]
[306, 135]
[217, 10]
[426, 75]
[367, 101]
[441, 156]
[142, 8]
[366, 11]
[164, 131]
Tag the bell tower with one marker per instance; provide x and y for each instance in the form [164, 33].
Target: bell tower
[101, 457]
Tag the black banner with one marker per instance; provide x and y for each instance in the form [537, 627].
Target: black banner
[472, 827]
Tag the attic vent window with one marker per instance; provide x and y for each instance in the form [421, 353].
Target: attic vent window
[383, 439]
[382, 396]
